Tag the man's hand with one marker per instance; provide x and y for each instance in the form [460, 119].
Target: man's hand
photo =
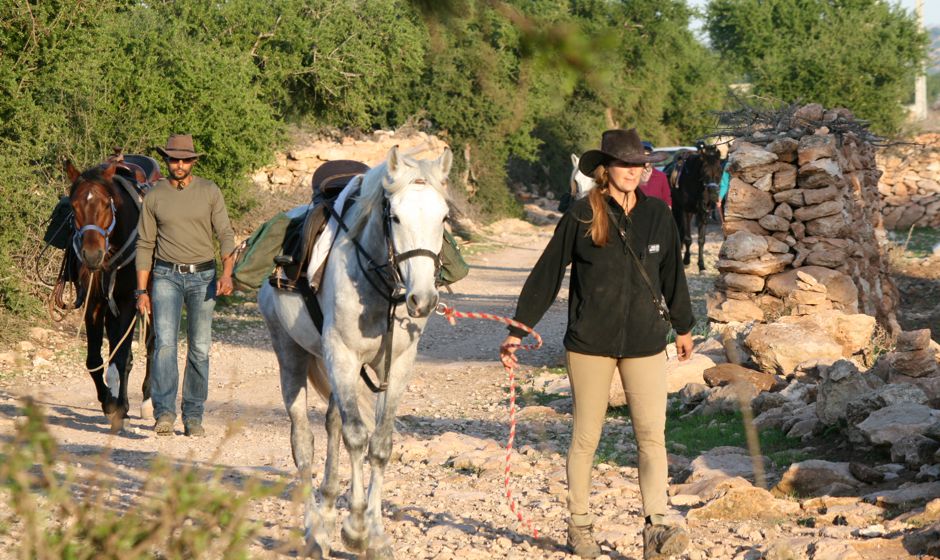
[507, 351]
[143, 304]
[684, 346]
[225, 286]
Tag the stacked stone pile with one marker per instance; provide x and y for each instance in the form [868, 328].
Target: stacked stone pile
[803, 199]
[294, 168]
[910, 186]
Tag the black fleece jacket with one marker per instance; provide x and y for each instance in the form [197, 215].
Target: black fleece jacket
[611, 311]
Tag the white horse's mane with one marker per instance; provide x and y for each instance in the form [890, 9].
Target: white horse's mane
[378, 181]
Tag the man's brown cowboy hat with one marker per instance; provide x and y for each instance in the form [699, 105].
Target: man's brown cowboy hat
[179, 146]
[335, 174]
[618, 144]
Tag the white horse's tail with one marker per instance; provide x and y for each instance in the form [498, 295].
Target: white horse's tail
[321, 383]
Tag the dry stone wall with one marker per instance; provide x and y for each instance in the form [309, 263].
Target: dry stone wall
[910, 186]
[802, 221]
[294, 168]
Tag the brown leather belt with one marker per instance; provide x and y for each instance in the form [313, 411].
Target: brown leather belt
[187, 268]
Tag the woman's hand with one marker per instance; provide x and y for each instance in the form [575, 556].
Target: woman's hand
[684, 346]
[507, 351]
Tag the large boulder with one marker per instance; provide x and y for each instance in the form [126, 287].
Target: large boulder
[839, 286]
[747, 203]
[827, 226]
[746, 155]
[892, 423]
[780, 347]
[819, 174]
[841, 385]
[852, 331]
[863, 405]
[828, 208]
[769, 263]
[743, 246]
[742, 282]
[725, 310]
[723, 462]
[815, 477]
[914, 450]
[746, 503]
[813, 147]
[726, 374]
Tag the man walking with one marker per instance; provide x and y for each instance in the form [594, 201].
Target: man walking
[175, 248]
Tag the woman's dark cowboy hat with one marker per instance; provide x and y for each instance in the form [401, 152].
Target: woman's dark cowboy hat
[618, 144]
[179, 146]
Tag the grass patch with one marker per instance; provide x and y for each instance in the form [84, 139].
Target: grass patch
[921, 243]
[530, 397]
[697, 434]
[478, 248]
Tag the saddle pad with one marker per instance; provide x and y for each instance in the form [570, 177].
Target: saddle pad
[321, 249]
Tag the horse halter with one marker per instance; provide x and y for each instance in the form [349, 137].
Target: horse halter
[395, 282]
[106, 233]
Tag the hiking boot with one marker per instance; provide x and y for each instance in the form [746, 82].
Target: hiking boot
[581, 540]
[194, 428]
[663, 541]
[164, 425]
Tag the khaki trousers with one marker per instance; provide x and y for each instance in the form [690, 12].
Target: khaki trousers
[644, 382]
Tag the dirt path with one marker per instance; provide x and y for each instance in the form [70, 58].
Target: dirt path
[437, 506]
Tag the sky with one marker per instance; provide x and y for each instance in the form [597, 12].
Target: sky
[931, 11]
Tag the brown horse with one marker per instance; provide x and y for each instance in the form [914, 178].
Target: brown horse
[105, 207]
[694, 183]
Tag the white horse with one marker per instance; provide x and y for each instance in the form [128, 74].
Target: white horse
[580, 183]
[389, 244]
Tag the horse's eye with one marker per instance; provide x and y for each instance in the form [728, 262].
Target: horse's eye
[396, 220]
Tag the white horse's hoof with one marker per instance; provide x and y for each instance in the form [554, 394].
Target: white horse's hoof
[316, 550]
[146, 410]
[354, 541]
[384, 552]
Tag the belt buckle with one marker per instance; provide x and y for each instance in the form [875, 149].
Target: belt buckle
[185, 268]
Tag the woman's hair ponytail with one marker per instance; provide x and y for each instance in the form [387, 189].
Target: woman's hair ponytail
[600, 222]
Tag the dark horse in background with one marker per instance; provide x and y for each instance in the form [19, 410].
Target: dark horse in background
[693, 181]
[105, 202]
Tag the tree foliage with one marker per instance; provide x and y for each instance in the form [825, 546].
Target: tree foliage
[513, 85]
[859, 54]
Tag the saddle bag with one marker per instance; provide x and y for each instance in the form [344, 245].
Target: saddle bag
[254, 257]
[453, 267]
[59, 229]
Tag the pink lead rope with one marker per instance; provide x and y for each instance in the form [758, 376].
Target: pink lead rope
[452, 315]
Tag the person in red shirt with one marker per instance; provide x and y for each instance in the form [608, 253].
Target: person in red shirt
[654, 182]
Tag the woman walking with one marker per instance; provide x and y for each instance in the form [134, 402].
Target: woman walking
[627, 290]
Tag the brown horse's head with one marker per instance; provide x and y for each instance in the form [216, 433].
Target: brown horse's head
[93, 205]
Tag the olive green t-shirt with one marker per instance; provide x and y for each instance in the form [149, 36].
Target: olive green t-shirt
[176, 225]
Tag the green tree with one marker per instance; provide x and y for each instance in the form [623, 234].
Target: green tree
[77, 78]
[858, 54]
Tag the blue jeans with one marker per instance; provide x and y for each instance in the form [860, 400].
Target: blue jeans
[169, 292]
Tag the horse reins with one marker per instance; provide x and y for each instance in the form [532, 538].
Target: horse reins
[452, 315]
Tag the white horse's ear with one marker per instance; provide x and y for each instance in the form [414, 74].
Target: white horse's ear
[574, 159]
[445, 161]
[393, 159]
